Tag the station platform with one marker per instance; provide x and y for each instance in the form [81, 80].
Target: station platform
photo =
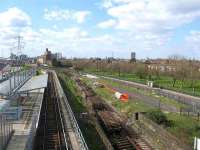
[25, 127]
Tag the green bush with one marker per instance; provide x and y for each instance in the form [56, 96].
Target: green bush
[197, 128]
[38, 72]
[159, 117]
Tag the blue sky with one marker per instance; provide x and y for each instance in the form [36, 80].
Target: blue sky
[98, 28]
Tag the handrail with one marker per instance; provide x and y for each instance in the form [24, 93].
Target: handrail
[28, 75]
[72, 117]
[63, 131]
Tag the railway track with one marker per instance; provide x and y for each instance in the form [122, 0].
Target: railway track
[121, 142]
[50, 133]
[113, 124]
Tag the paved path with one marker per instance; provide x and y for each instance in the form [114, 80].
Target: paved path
[19, 139]
[149, 100]
[187, 99]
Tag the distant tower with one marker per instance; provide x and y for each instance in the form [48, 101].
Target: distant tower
[19, 49]
[133, 57]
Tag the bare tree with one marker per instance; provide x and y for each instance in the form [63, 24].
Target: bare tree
[141, 70]
[178, 70]
[193, 73]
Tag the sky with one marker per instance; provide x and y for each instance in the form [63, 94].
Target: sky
[101, 28]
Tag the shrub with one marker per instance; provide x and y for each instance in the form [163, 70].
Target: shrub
[159, 117]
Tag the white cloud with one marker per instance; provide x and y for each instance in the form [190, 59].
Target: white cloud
[65, 14]
[14, 17]
[150, 24]
[80, 16]
[107, 3]
[193, 40]
[144, 26]
[58, 40]
[14, 21]
[107, 24]
[153, 16]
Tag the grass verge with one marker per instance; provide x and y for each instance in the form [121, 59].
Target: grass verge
[165, 82]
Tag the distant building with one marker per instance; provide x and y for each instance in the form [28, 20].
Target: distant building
[162, 65]
[133, 57]
[19, 59]
[40, 60]
[23, 57]
[48, 57]
[13, 56]
[58, 56]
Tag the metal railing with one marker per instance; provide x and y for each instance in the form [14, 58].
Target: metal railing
[17, 79]
[74, 123]
[60, 115]
[6, 130]
[23, 77]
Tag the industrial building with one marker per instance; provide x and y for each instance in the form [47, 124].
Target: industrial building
[47, 57]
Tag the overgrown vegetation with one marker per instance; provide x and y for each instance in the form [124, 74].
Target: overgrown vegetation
[127, 108]
[72, 93]
[26, 67]
[38, 72]
[159, 117]
[183, 127]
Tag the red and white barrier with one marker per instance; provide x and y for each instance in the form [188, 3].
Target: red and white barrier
[123, 97]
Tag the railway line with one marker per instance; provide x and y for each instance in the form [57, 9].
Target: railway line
[50, 133]
[121, 137]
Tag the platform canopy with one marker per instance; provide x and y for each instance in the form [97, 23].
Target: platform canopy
[35, 83]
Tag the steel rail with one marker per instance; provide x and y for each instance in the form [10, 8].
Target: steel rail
[51, 122]
[71, 115]
[62, 125]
